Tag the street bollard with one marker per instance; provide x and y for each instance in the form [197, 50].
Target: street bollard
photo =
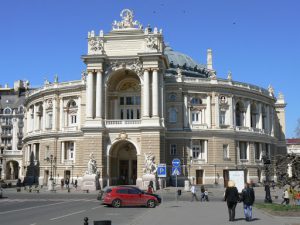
[178, 192]
[69, 190]
[86, 221]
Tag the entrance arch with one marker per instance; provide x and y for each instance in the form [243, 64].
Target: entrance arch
[12, 170]
[123, 163]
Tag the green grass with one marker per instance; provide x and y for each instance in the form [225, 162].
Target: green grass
[277, 207]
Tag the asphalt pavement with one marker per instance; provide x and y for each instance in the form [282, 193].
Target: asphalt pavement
[70, 208]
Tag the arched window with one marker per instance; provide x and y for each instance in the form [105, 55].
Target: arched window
[264, 117]
[172, 115]
[172, 97]
[7, 111]
[196, 101]
[239, 114]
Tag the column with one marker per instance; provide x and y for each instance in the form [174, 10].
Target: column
[259, 115]
[62, 152]
[230, 117]
[205, 149]
[99, 94]
[155, 93]
[54, 113]
[233, 113]
[44, 115]
[272, 121]
[268, 120]
[248, 114]
[217, 109]
[61, 114]
[185, 111]
[34, 151]
[79, 114]
[116, 110]
[146, 94]
[89, 94]
[208, 111]
[34, 118]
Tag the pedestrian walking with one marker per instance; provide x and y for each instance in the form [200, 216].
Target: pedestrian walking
[62, 182]
[67, 183]
[248, 198]
[75, 184]
[194, 193]
[232, 198]
[285, 197]
[150, 189]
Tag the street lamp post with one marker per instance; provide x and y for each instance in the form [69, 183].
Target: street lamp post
[216, 174]
[72, 174]
[51, 159]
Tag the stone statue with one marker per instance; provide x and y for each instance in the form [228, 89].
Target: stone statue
[92, 165]
[150, 166]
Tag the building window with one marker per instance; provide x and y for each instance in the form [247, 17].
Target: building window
[172, 115]
[196, 101]
[173, 149]
[222, 117]
[225, 151]
[198, 149]
[196, 117]
[253, 115]
[73, 119]
[264, 118]
[257, 151]
[239, 114]
[49, 120]
[243, 150]
[172, 97]
[69, 151]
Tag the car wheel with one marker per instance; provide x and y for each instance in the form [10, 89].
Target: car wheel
[116, 203]
[151, 204]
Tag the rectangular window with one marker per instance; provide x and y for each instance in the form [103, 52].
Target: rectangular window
[198, 149]
[122, 114]
[257, 151]
[226, 151]
[243, 150]
[138, 114]
[50, 120]
[137, 100]
[195, 117]
[37, 151]
[131, 114]
[73, 119]
[127, 114]
[173, 150]
[222, 117]
[129, 100]
[121, 100]
[71, 150]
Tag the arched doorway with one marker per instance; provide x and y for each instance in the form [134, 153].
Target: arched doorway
[123, 163]
[12, 170]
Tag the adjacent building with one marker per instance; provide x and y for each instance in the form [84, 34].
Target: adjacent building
[11, 129]
[139, 97]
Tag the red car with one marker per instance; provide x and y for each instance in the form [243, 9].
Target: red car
[128, 196]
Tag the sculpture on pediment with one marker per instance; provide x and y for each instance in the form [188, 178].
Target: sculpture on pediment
[127, 21]
[229, 76]
[271, 90]
[150, 167]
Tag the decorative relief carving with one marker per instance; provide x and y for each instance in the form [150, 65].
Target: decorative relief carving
[130, 86]
[151, 43]
[96, 45]
[134, 65]
[127, 21]
[150, 167]
[49, 104]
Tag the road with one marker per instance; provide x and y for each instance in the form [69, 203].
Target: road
[63, 208]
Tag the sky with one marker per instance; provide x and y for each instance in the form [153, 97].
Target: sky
[257, 40]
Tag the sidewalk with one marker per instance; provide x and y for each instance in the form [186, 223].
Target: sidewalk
[214, 213]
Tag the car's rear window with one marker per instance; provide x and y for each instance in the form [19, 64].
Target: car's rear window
[108, 190]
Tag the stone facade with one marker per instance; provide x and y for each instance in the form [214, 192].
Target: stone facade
[138, 96]
[11, 129]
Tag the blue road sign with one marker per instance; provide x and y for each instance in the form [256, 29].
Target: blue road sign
[162, 170]
[176, 171]
[176, 162]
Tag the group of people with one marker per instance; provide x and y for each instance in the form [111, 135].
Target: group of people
[232, 197]
[291, 194]
[203, 196]
[66, 182]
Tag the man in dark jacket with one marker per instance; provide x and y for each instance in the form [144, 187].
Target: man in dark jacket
[232, 197]
[248, 198]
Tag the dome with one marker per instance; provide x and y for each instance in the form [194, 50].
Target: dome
[184, 62]
[178, 58]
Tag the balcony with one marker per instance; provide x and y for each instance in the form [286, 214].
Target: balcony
[198, 161]
[73, 128]
[12, 152]
[68, 162]
[123, 123]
